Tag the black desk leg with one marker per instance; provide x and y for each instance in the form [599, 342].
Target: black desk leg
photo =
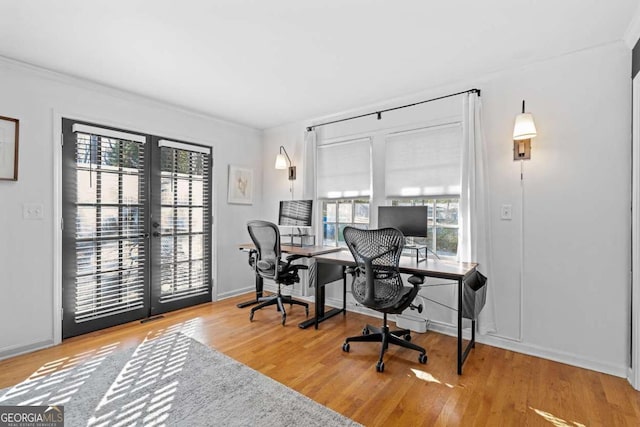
[326, 273]
[344, 291]
[462, 355]
[460, 361]
[259, 287]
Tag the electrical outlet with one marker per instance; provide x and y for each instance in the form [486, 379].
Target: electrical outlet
[506, 212]
[33, 211]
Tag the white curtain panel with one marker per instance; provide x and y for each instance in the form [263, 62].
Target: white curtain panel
[475, 218]
[309, 184]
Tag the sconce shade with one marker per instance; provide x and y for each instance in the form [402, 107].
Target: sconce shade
[281, 162]
[524, 127]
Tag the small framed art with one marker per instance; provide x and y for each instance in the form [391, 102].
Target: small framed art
[9, 136]
[240, 185]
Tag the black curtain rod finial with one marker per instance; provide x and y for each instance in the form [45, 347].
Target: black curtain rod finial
[309, 129]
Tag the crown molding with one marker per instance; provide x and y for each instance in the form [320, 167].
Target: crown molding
[116, 92]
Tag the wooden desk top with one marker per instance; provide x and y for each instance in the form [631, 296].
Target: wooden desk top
[308, 251]
[433, 268]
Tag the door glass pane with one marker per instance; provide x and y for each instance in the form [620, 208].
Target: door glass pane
[85, 222]
[197, 220]
[197, 247]
[183, 191]
[109, 188]
[109, 226]
[183, 248]
[86, 186]
[166, 222]
[130, 189]
[182, 220]
[184, 195]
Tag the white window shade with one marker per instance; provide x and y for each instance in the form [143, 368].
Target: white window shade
[424, 162]
[344, 169]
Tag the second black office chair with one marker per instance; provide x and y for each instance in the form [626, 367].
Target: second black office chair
[267, 264]
[378, 285]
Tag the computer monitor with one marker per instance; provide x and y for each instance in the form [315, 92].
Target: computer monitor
[295, 213]
[411, 220]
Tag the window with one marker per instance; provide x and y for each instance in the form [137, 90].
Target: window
[442, 226]
[337, 214]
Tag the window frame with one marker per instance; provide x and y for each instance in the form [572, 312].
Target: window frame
[433, 225]
[337, 223]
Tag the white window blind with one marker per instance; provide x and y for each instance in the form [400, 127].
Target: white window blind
[184, 146]
[344, 169]
[110, 243]
[184, 219]
[424, 162]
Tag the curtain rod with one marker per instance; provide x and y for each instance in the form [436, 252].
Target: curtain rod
[379, 113]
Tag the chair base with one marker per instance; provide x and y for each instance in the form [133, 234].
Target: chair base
[400, 337]
[279, 300]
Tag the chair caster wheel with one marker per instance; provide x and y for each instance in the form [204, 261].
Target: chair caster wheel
[380, 366]
[251, 317]
[407, 337]
[345, 347]
[365, 331]
[422, 358]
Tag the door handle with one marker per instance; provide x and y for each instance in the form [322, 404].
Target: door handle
[155, 225]
[156, 234]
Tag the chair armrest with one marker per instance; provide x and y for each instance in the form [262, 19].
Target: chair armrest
[296, 267]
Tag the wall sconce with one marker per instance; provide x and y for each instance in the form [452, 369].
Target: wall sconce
[524, 130]
[281, 163]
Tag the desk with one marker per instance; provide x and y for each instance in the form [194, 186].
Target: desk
[450, 270]
[305, 251]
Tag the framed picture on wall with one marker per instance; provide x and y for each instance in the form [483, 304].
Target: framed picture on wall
[9, 134]
[240, 185]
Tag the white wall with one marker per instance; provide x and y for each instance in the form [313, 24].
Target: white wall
[576, 229]
[27, 247]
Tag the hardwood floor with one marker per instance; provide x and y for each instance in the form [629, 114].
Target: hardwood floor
[498, 387]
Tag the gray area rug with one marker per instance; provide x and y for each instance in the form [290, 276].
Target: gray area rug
[170, 380]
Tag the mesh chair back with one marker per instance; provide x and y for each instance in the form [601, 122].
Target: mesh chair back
[378, 284]
[266, 236]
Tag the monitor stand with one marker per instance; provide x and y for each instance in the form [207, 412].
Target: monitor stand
[410, 245]
[301, 238]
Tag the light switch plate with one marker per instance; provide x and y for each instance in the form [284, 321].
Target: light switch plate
[506, 212]
[33, 211]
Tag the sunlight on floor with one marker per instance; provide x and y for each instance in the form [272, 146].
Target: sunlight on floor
[131, 398]
[425, 376]
[556, 421]
[60, 379]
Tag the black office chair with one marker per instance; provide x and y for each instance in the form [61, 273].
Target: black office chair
[377, 285]
[268, 265]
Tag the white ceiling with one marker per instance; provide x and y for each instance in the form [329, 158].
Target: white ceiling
[268, 62]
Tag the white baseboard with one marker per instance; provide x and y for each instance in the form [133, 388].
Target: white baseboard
[17, 350]
[236, 292]
[495, 341]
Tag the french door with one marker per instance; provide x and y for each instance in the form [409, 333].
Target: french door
[136, 226]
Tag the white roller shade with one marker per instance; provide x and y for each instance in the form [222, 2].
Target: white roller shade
[424, 162]
[344, 169]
